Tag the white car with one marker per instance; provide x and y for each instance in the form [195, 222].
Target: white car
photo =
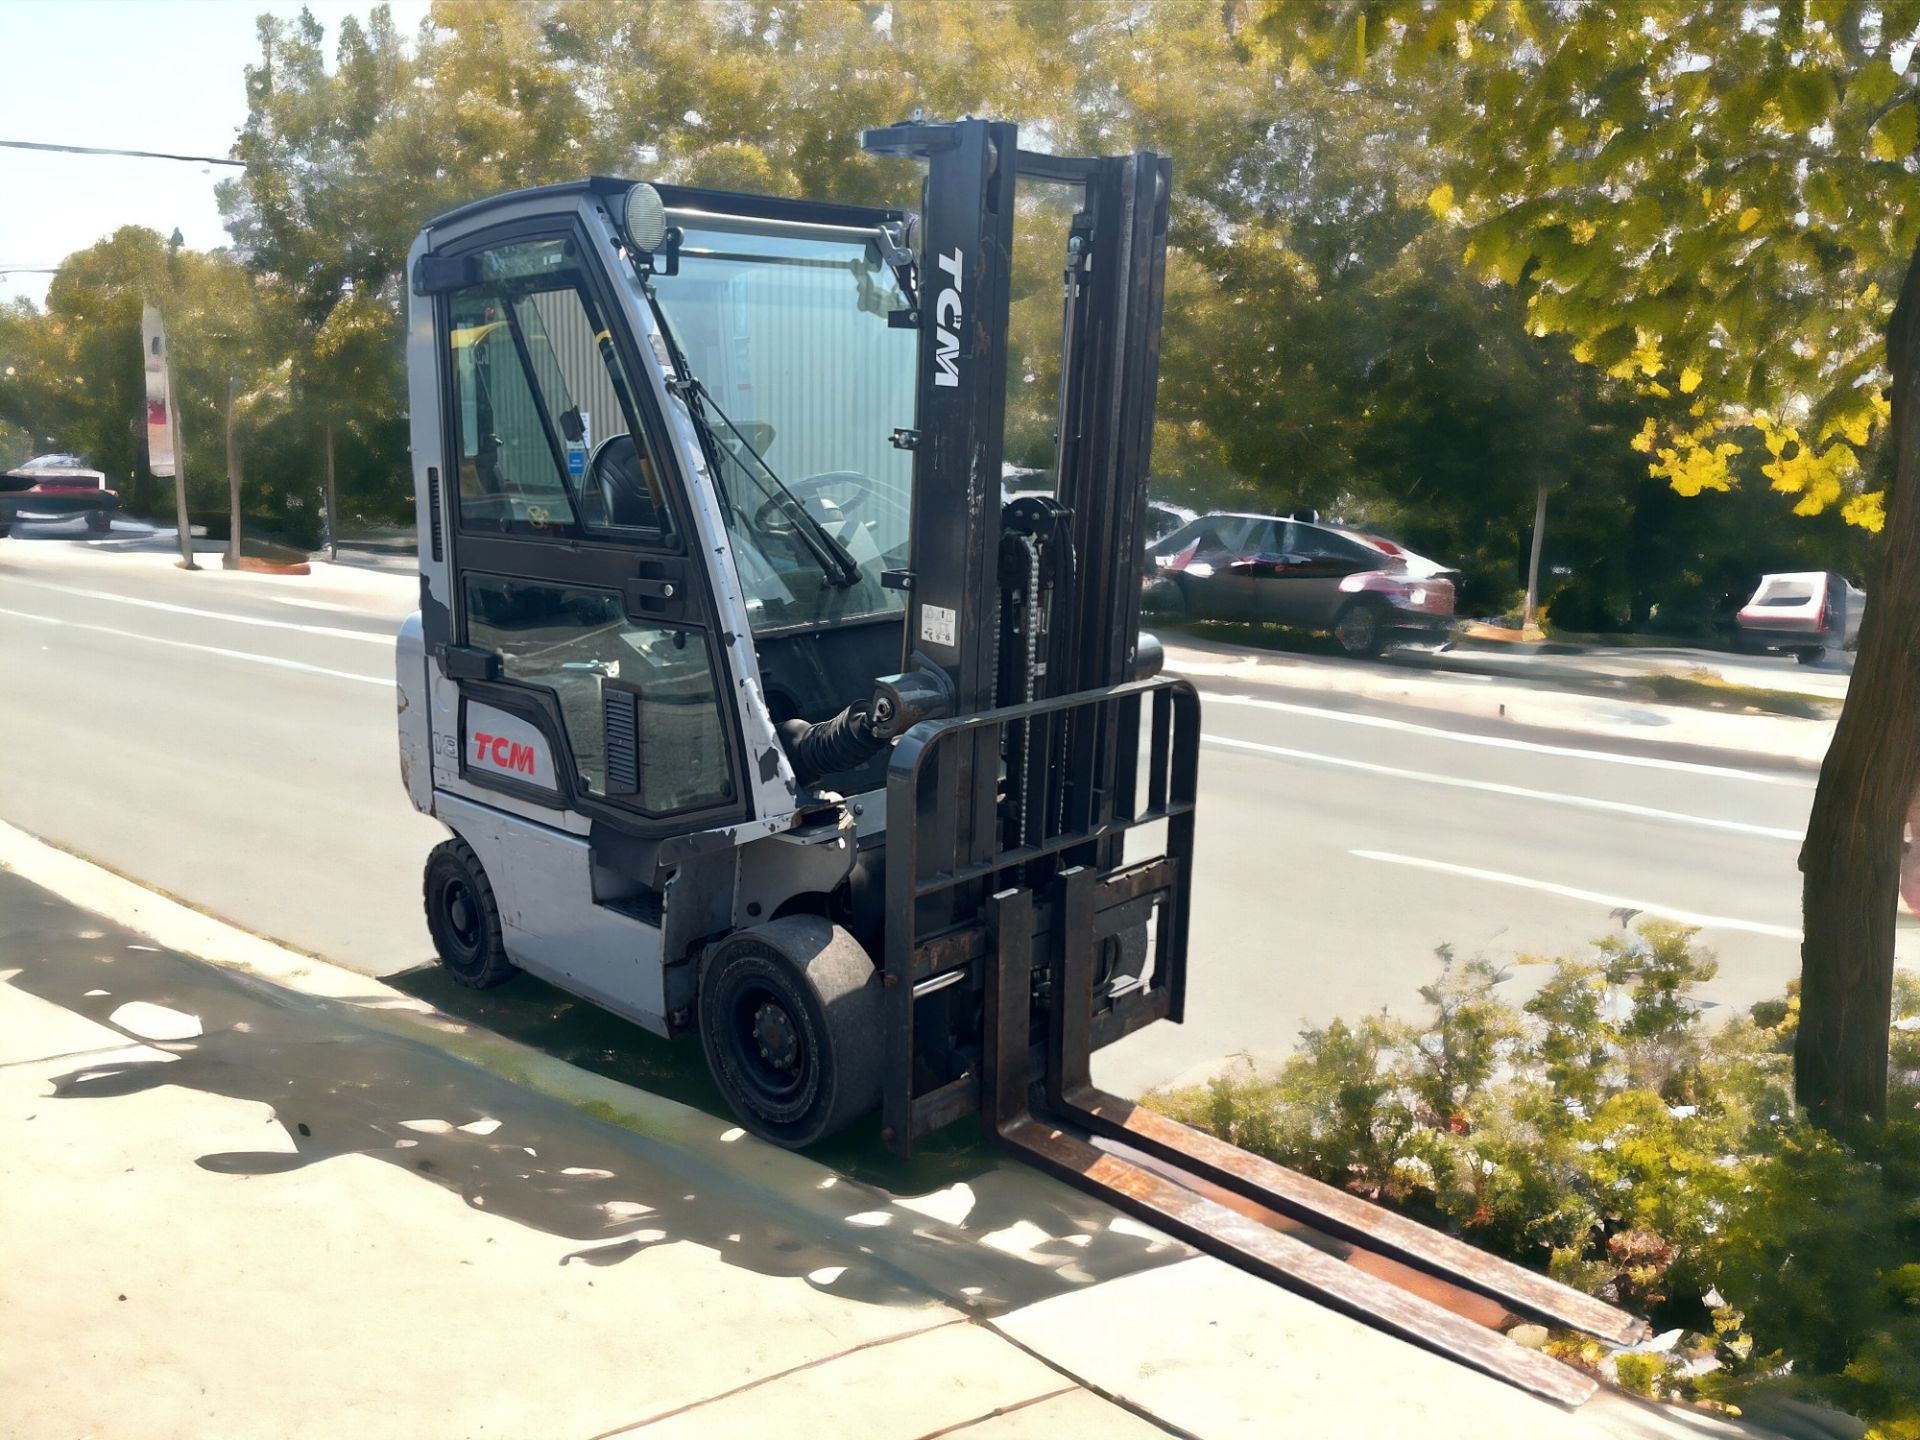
[1803, 613]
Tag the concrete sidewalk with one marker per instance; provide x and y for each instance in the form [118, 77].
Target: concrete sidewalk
[266, 1196]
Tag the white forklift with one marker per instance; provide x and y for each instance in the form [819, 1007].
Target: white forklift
[754, 709]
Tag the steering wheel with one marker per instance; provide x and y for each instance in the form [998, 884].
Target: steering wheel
[772, 518]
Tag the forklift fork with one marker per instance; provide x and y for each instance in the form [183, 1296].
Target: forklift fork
[1160, 1171]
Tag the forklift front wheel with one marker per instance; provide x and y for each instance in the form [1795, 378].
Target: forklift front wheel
[793, 1027]
[463, 917]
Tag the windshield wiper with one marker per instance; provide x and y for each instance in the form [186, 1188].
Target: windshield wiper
[833, 557]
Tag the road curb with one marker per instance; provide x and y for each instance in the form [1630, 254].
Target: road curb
[1439, 717]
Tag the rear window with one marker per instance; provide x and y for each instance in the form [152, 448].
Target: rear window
[1784, 592]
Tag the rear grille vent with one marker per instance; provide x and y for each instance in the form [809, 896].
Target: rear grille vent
[433, 509]
[623, 742]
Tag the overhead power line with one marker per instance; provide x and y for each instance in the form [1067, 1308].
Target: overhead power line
[136, 154]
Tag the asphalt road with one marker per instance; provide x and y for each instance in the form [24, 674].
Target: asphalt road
[230, 739]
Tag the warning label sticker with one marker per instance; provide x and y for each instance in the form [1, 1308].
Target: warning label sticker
[936, 624]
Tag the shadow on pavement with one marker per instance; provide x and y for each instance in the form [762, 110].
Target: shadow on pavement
[339, 1085]
[582, 1034]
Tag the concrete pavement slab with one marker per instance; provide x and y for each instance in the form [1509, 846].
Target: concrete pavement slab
[181, 1261]
[943, 1381]
[1210, 1350]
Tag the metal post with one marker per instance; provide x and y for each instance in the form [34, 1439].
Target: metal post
[232, 561]
[179, 477]
[333, 509]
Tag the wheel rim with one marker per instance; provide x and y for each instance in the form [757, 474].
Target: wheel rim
[768, 1048]
[465, 925]
[1357, 628]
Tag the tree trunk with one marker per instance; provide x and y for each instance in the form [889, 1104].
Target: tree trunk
[1850, 860]
[1533, 560]
[233, 476]
[333, 501]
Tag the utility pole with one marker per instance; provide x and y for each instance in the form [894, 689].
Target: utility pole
[233, 477]
[1533, 561]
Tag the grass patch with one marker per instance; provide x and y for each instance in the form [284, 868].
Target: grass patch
[1705, 689]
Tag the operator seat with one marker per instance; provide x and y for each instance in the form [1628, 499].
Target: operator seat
[622, 476]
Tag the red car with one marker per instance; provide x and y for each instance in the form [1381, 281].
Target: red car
[1296, 571]
[51, 485]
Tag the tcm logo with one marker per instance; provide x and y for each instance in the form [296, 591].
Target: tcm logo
[946, 319]
[504, 754]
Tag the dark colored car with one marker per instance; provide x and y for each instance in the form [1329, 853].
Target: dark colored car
[1265, 568]
[55, 485]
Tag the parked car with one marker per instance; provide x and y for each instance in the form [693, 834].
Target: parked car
[1164, 517]
[1368, 591]
[1803, 613]
[52, 485]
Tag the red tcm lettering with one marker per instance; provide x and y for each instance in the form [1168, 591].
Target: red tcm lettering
[502, 753]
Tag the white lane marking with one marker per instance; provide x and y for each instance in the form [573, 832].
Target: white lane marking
[1502, 742]
[1613, 902]
[226, 615]
[276, 661]
[1494, 787]
[303, 603]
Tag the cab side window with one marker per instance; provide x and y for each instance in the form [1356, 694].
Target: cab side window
[642, 716]
[548, 443]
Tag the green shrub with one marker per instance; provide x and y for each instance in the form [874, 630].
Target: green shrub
[1601, 1133]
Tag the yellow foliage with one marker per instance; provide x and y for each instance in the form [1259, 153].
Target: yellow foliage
[1643, 442]
[1818, 478]
[1583, 231]
[1749, 217]
[1868, 511]
[1691, 465]
[1689, 380]
[1644, 357]
[1440, 201]
[1583, 352]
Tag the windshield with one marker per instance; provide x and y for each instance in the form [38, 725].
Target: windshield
[788, 335]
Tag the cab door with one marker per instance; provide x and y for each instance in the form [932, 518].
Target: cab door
[582, 628]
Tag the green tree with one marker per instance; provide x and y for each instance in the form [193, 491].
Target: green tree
[1715, 203]
[76, 378]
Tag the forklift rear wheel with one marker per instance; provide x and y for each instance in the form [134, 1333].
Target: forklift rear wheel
[464, 919]
[793, 1028]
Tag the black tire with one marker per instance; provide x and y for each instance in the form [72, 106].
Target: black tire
[791, 1020]
[1810, 654]
[463, 917]
[1165, 601]
[1361, 628]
